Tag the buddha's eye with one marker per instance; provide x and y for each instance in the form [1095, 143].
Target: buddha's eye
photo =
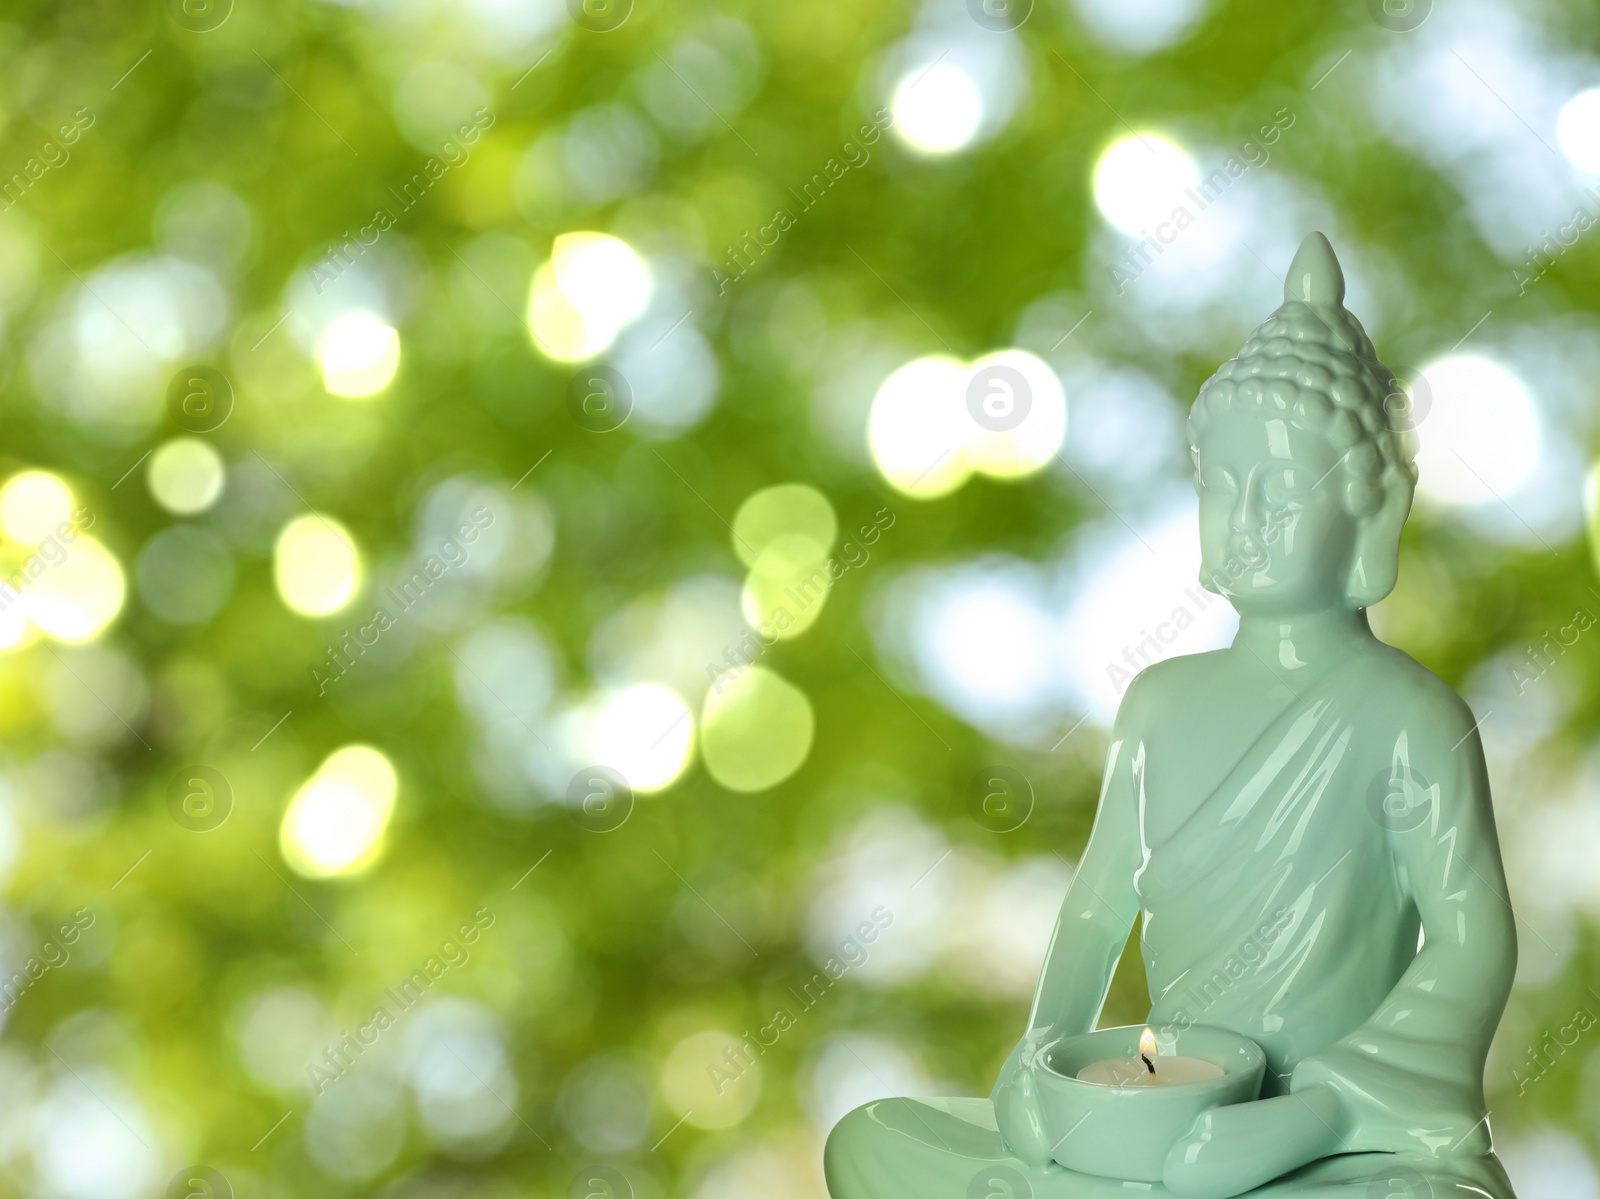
[1285, 484]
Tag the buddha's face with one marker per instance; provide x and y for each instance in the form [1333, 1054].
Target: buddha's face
[1275, 536]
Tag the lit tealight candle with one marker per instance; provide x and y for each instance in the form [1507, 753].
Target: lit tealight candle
[1148, 1069]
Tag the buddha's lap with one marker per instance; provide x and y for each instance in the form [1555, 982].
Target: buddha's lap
[950, 1149]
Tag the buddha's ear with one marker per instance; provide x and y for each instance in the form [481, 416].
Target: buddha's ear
[1376, 565]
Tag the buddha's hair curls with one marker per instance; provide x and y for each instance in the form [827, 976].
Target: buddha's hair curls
[1312, 361]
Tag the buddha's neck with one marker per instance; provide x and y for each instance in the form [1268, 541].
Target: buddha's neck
[1310, 643]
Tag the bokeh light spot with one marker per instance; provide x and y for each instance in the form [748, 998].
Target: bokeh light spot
[359, 354]
[184, 574]
[1591, 513]
[937, 109]
[316, 565]
[756, 730]
[935, 421]
[784, 592]
[1035, 414]
[789, 509]
[591, 288]
[783, 534]
[1578, 130]
[33, 505]
[79, 594]
[186, 476]
[335, 823]
[915, 430]
[605, 1103]
[645, 733]
[711, 1080]
[1140, 179]
[15, 631]
[1480, 441]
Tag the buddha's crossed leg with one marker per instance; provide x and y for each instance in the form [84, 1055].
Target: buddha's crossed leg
[951, 1149]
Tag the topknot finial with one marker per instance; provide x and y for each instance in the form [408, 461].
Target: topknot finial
[1314, 276]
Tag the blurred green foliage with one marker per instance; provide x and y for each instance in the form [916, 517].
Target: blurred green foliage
[692, 915]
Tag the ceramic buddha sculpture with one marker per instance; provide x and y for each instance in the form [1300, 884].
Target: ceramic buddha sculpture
[1300, 823]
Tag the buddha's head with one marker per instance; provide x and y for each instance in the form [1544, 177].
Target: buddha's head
[1304, 480]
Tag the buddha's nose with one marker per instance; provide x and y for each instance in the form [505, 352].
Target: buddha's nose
[1245, 517]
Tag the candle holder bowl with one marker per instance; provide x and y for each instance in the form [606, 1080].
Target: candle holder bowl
[1126, 1132]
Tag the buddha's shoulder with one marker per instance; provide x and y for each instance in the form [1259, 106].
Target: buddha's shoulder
[1394, 687]
[1176, 683]
[1396, 683]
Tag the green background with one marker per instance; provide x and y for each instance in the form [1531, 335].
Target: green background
[610, 946]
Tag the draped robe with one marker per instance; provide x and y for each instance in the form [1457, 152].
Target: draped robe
[1287, 907]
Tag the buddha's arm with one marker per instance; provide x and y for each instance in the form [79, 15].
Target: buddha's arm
[1411, 1076]
[1088, 939]
[1098, 911]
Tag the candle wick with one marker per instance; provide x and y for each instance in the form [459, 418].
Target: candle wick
[1148, 1064]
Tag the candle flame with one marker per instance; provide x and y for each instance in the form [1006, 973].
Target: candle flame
[1147, 1044]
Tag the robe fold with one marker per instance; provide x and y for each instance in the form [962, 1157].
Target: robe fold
[1312, 949]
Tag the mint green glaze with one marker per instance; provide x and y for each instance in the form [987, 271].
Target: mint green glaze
[1282, 816]
[1126, 1132]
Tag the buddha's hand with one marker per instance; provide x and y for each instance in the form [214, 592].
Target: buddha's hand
[1016, 1102]
[1234, 1149]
